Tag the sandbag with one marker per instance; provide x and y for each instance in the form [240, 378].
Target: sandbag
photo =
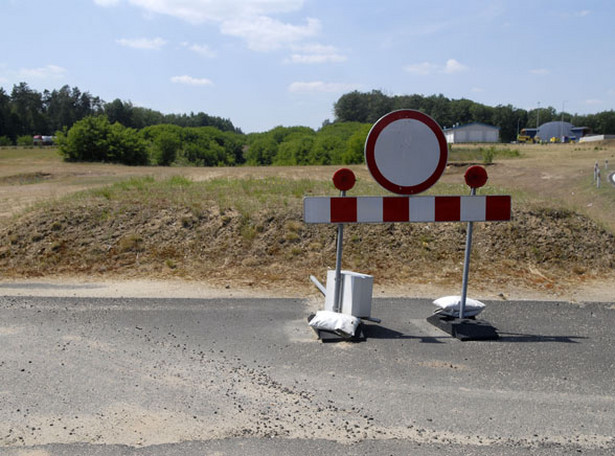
[449, 306]
[341, 324]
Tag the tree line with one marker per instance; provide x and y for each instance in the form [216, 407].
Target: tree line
[96, 139]
[88, 129]
[370, 106]
[25, 112]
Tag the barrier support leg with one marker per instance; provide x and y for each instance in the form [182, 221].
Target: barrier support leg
[466, 267]
[337, 305]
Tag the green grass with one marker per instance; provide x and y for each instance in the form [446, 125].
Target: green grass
[246, 196]
[243, 195]
[30, 153]
[481, 154]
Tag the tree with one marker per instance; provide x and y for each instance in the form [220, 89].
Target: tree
[143, 117]
[6, 124]
[439, 109]
[86, 140]
[119, 111]
[378, 104]
[351, 107]
[125, 146]
[505, 117]
[326, 150]
[409, 102]
[95, 139]
[481, 113]
[355, 147]
[164, 141]
[605, 122]
[261, 150]
[460, 112]
[27, 111]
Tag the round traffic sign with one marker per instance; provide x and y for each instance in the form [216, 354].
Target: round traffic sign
[476, 176]
[406, 152]
[344, 179]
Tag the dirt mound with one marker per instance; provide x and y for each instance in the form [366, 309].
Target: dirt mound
[540, 248]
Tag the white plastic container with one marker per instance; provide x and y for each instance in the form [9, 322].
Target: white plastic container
[356, 293]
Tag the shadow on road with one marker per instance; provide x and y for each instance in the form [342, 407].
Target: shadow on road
[517, 337]
[380, 332]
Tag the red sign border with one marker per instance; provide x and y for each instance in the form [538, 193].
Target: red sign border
[370, 146]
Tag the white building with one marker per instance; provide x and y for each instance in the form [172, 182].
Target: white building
[472, 133]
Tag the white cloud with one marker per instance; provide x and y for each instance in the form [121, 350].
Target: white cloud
[46, 72]
[263, 33]
[142, 43]
[593, 102]
[422, 69]
[189, 80]
[199, 11]
[427, 68]
[250, 20]
[316, 58]
[316, 53]
[540, 71]
[453, 66]
[201, 49]
[106, 2]
[320, 86]
[582, 13]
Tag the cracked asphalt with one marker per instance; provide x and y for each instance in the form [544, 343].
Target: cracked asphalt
[144, 376]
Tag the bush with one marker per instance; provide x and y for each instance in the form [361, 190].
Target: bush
[165, 149]
[488, 155]
[262, 151]
[6, 141]
[355, 147]
[334, 144]
[25, 141]
[126, 146]
[94, 139]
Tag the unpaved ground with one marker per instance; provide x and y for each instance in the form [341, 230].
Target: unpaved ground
[546, 254]
[600, 290]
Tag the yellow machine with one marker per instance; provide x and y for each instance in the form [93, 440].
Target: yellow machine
[525, 139]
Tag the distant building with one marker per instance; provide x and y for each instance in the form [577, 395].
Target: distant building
[591, 138]
[561, 131]
[472, 133]
[556, 131]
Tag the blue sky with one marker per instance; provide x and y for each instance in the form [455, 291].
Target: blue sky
[264, 63]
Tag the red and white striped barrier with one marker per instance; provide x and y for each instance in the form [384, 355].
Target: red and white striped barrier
[383, 209]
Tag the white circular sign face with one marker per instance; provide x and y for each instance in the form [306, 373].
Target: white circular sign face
[406, 152]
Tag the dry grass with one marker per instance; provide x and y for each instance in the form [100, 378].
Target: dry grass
[243, 225]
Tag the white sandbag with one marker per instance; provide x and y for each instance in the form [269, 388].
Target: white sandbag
[449, 305]
[342, 324]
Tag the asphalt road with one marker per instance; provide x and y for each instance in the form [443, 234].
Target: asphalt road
[86, 376]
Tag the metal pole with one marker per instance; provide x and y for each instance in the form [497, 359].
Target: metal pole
[466, 266]
[337, 306]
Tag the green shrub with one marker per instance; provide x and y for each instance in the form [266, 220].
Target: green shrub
[488, 155]
[95, 139]
[25, 141]
[6, 141]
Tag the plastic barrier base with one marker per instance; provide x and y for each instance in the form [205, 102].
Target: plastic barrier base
[331, 336]
[464, 329]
